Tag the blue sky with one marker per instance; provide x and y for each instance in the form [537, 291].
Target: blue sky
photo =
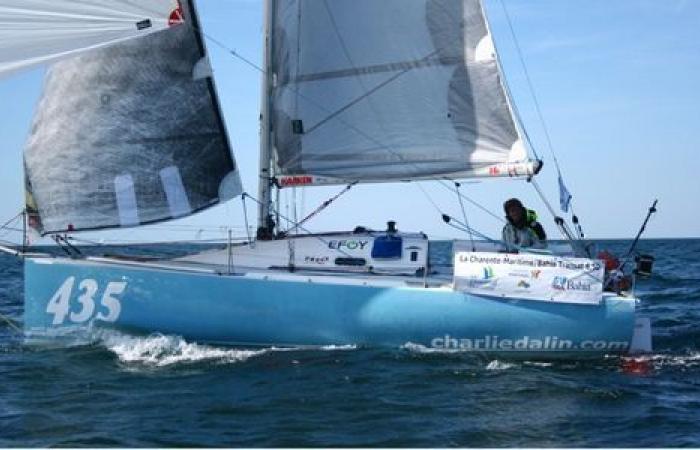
[616, 82]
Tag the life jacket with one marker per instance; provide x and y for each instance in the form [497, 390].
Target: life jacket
[526, 236]
[530, 220]
[521, 237]
[530, 217]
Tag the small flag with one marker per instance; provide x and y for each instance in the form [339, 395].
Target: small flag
[564, 196]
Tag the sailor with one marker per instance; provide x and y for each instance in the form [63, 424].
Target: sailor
[522, 230]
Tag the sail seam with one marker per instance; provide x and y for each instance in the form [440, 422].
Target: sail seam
[375, 69]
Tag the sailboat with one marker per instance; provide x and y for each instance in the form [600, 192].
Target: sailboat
[129, 132]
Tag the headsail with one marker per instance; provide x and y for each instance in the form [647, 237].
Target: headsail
[38, 31]
[130, 134]
[368, 90]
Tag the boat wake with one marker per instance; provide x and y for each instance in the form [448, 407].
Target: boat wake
[160, 351]
[662, 361]
[489, 364]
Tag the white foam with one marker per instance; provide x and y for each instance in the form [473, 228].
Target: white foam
[538, 364]
[500, 365]
[422, 349]
[661, 360]
[161, 351]
[334, 348]
[158, 350]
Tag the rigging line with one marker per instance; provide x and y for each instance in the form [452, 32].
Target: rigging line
[367, 93]
[8, 230]
[561, 224]
[295, 217]
[462, 227]
[11, 323]
[346, 52]
[473, 202]
[319, 238]
[543, 198]
[232, 52]
[349, 105]
[135, 243]
[526, 250]
[245, 218]
[509, 94]
[430, 199]
[323, 206]
[464, 214]
[317, 104]
[531, 87]
[465, 228]
[437, 208]
[12, 220]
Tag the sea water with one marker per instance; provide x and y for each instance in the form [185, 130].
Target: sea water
[160, 390]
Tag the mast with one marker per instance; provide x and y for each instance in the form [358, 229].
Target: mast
[264, 186]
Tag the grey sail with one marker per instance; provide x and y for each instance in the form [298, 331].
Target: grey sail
[368, 90]
[129, 134]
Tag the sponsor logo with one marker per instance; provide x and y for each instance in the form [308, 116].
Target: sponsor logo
[535, 274]
[483, 280]
[559, 283]
[519, 274]
[523, 284]
[296, 181]
[490, 284]
[515, 343]
[316, 259]
[349, 245]
[565, 284]
[578, 285]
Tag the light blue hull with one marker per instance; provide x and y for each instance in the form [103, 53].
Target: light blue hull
[240, 310]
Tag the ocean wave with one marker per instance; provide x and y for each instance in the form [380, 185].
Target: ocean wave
[667, 278]
[685, 293]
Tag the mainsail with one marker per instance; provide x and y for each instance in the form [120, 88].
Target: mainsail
[38, 31]
[369, 91]
[129, 134]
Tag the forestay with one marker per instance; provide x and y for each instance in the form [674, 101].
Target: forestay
[367, 90]
[38, 31]
[129, 134]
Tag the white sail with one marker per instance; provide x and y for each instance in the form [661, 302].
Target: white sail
[372, 91]
[38, 31]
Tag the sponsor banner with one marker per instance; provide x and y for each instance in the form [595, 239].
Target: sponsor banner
[532, 277]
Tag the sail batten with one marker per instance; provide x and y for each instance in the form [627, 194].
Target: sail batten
[390, 90]
[129, 134]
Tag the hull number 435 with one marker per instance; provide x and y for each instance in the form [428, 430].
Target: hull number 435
[60, 305]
